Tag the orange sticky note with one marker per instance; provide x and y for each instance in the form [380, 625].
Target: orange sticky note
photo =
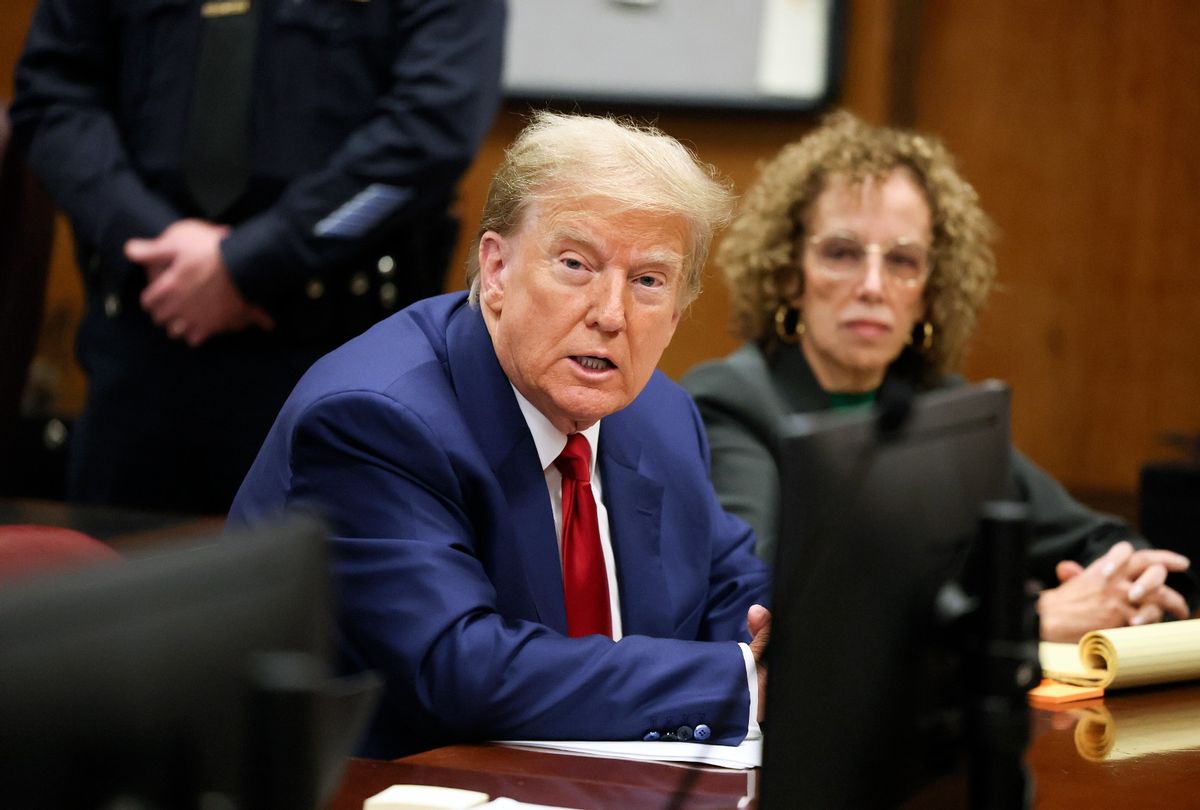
[1049, 691]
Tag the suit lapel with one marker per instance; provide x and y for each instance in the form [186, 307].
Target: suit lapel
[634, 503]
[634, 500]
[494, 418]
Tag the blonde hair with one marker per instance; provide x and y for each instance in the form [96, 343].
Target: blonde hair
[559, 160]
[760, 255]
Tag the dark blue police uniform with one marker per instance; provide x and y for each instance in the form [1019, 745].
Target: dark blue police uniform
[364, 115]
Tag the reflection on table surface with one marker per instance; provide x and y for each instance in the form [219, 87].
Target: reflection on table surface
[560, 780]
[1135, 728]
[1136, 748]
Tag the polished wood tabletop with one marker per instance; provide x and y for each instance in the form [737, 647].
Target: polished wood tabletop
[559, 780]
[1138, 748]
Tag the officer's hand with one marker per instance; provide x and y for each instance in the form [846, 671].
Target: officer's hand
[190, 293]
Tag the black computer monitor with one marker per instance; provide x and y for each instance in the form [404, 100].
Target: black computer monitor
[880, 510]
[193, 676]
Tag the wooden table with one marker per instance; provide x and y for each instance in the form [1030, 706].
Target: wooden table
[1083, 755]
[1138, 748]
[1072, 761]
[540, 777]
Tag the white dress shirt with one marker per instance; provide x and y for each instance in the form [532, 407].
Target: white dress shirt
[550, 443]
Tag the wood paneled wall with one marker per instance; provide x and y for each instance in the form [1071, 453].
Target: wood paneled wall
[1079, 124]
[59, 382]
[735, 142]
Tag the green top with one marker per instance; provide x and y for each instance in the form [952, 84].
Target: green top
[853, 401]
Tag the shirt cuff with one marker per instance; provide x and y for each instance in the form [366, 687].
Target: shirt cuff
[753, 732]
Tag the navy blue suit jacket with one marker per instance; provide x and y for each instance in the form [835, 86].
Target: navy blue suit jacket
[410, 441]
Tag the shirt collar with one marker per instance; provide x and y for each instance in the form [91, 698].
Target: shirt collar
[548, 440]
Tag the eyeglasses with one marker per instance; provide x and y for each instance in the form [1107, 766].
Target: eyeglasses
[844, 257]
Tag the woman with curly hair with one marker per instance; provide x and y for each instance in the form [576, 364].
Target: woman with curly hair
[860, 259]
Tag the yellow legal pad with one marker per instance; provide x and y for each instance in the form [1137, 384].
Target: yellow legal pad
[224, 8]
[1126, 656]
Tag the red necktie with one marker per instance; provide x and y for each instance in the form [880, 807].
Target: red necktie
[585, 582]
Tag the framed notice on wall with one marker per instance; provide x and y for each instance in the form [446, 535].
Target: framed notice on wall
[758, 54]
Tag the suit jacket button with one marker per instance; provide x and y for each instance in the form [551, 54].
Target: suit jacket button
[701, 732]
[684, 733]
[651, 736]
[314, 289]
[359, 284]
[112, 305]
[387, 295]
[54, 434]
[386, 265]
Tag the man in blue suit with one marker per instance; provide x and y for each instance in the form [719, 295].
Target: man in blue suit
[430, 444]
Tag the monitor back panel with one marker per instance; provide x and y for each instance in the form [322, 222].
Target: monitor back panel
[872, 526]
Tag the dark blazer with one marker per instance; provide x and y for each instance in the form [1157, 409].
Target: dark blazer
[347, 97]
[410, 440]
[743, 396]
[364, 115]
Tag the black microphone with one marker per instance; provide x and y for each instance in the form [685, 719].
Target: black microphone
[895, 402]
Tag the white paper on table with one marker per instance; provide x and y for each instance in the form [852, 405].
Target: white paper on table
[505, 803]
[746, 755]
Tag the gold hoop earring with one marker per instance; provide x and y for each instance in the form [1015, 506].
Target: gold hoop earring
[789, 324]
[927, 336]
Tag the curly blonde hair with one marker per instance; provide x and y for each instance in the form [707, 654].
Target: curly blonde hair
[760, 256]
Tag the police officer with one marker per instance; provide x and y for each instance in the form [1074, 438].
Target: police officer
[250, 183]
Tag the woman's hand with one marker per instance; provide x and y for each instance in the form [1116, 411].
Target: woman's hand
[1123, 587]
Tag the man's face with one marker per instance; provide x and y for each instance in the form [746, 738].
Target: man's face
[581, 304]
